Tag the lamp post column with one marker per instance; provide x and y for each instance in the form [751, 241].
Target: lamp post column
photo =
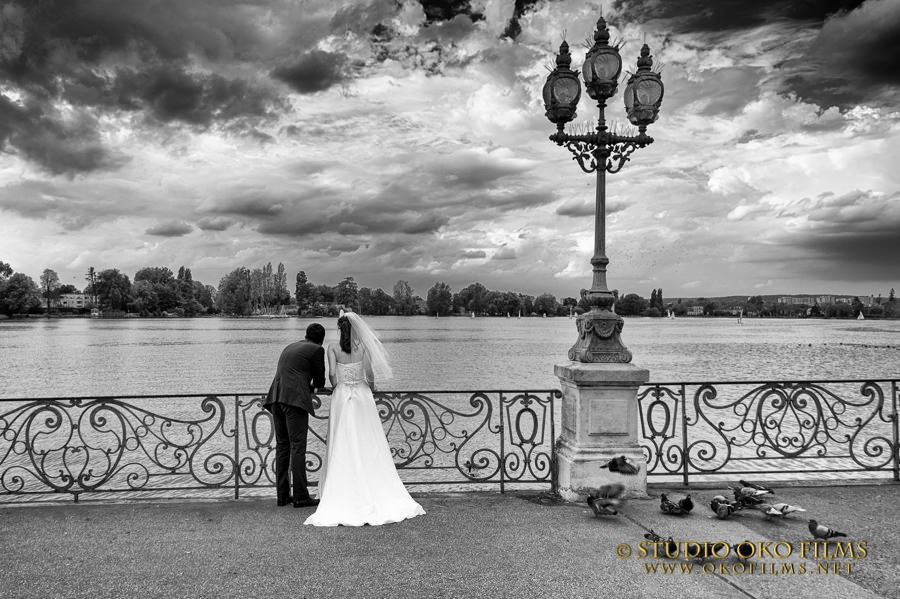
[599, 384]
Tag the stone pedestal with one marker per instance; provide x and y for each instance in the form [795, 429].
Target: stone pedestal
[599, 422]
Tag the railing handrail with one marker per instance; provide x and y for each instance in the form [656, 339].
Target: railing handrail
[325, 391]
[138, 443]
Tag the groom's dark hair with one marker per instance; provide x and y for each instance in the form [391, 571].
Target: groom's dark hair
[315, 333]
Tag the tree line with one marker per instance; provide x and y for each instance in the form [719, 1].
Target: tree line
[158, 291]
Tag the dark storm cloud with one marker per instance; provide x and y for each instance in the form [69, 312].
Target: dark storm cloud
[447, 10]
[851, 61]
[855, 234]
[475, 169]
[854, 53]
[314, 211]
[56, 55]
[684, 16]
[59, 146]
[38, 200]
[170, 93]
[521, 7]
[214, 224]
[313, 72]
[578, 207]
[170, 229]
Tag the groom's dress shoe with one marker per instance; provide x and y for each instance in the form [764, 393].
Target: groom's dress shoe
[285, 502]
[306, 502]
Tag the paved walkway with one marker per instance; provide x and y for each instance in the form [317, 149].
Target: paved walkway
[469, 545]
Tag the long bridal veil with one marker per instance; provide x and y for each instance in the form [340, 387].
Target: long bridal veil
[368, 340]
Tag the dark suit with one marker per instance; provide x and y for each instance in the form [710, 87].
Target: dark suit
[301, 368]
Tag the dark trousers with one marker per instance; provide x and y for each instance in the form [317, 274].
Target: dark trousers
[291, 426]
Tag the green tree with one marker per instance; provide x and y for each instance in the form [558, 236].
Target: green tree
[233, 295]
[281, 293]
[382, 303]
[404, 301]
[347, 293]
[67, 288]
[631, 304]
[113, 289]
[49, 286]
[164, 286]
[91, 279]
[18, 292]
[546, 304]
[439, 299]
[304, 292]
[472, 298]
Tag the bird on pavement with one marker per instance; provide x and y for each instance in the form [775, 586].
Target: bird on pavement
[745, 483]
[747, 496]
[687, 504]
[670, 507]
[769, 510]
[786, 509]
[716, 501]
[820, 531]
[671, 545]
[622, 465]
[605, 502]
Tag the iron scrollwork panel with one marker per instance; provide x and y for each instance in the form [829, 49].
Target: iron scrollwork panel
[528, 446]
[844, 423]
[79, 445]
[257, 442]
[661, 415]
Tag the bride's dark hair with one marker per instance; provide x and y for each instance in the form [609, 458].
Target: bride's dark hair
[344, 326]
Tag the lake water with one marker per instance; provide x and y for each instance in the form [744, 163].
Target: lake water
[74, 357]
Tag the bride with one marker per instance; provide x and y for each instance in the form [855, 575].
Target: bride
[359, 482]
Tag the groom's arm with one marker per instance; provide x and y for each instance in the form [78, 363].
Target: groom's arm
[318, 360]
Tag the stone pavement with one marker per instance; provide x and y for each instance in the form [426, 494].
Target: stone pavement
[518, 545]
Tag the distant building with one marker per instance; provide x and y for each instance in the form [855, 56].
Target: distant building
[75, 301]
[825, 299]
[795, 301]
[695, 311]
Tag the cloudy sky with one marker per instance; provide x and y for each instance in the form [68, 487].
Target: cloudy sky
[405, 139]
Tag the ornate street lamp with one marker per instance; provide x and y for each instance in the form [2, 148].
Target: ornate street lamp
[601, 152]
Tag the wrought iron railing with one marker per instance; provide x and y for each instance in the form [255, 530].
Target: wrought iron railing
[697, 431]
[179, 443]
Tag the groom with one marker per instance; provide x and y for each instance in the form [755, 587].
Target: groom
[301, 368]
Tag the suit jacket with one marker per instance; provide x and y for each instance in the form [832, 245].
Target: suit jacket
[301, 368]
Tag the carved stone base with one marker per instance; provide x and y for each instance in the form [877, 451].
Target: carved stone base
[599, 422]
[582, 471]
[599, 339]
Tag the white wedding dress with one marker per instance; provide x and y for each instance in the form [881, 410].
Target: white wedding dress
[359, 482]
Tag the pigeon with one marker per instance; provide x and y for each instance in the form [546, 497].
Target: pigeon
[605, 502]
[724, 510]
[716, 501]
[747, 496]
[786, 509]
[603, 507]
[820, 531]
[671, 545]
[687, 504]
[622, 465]
[670, 507]
[745, 483]
[768, 509]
